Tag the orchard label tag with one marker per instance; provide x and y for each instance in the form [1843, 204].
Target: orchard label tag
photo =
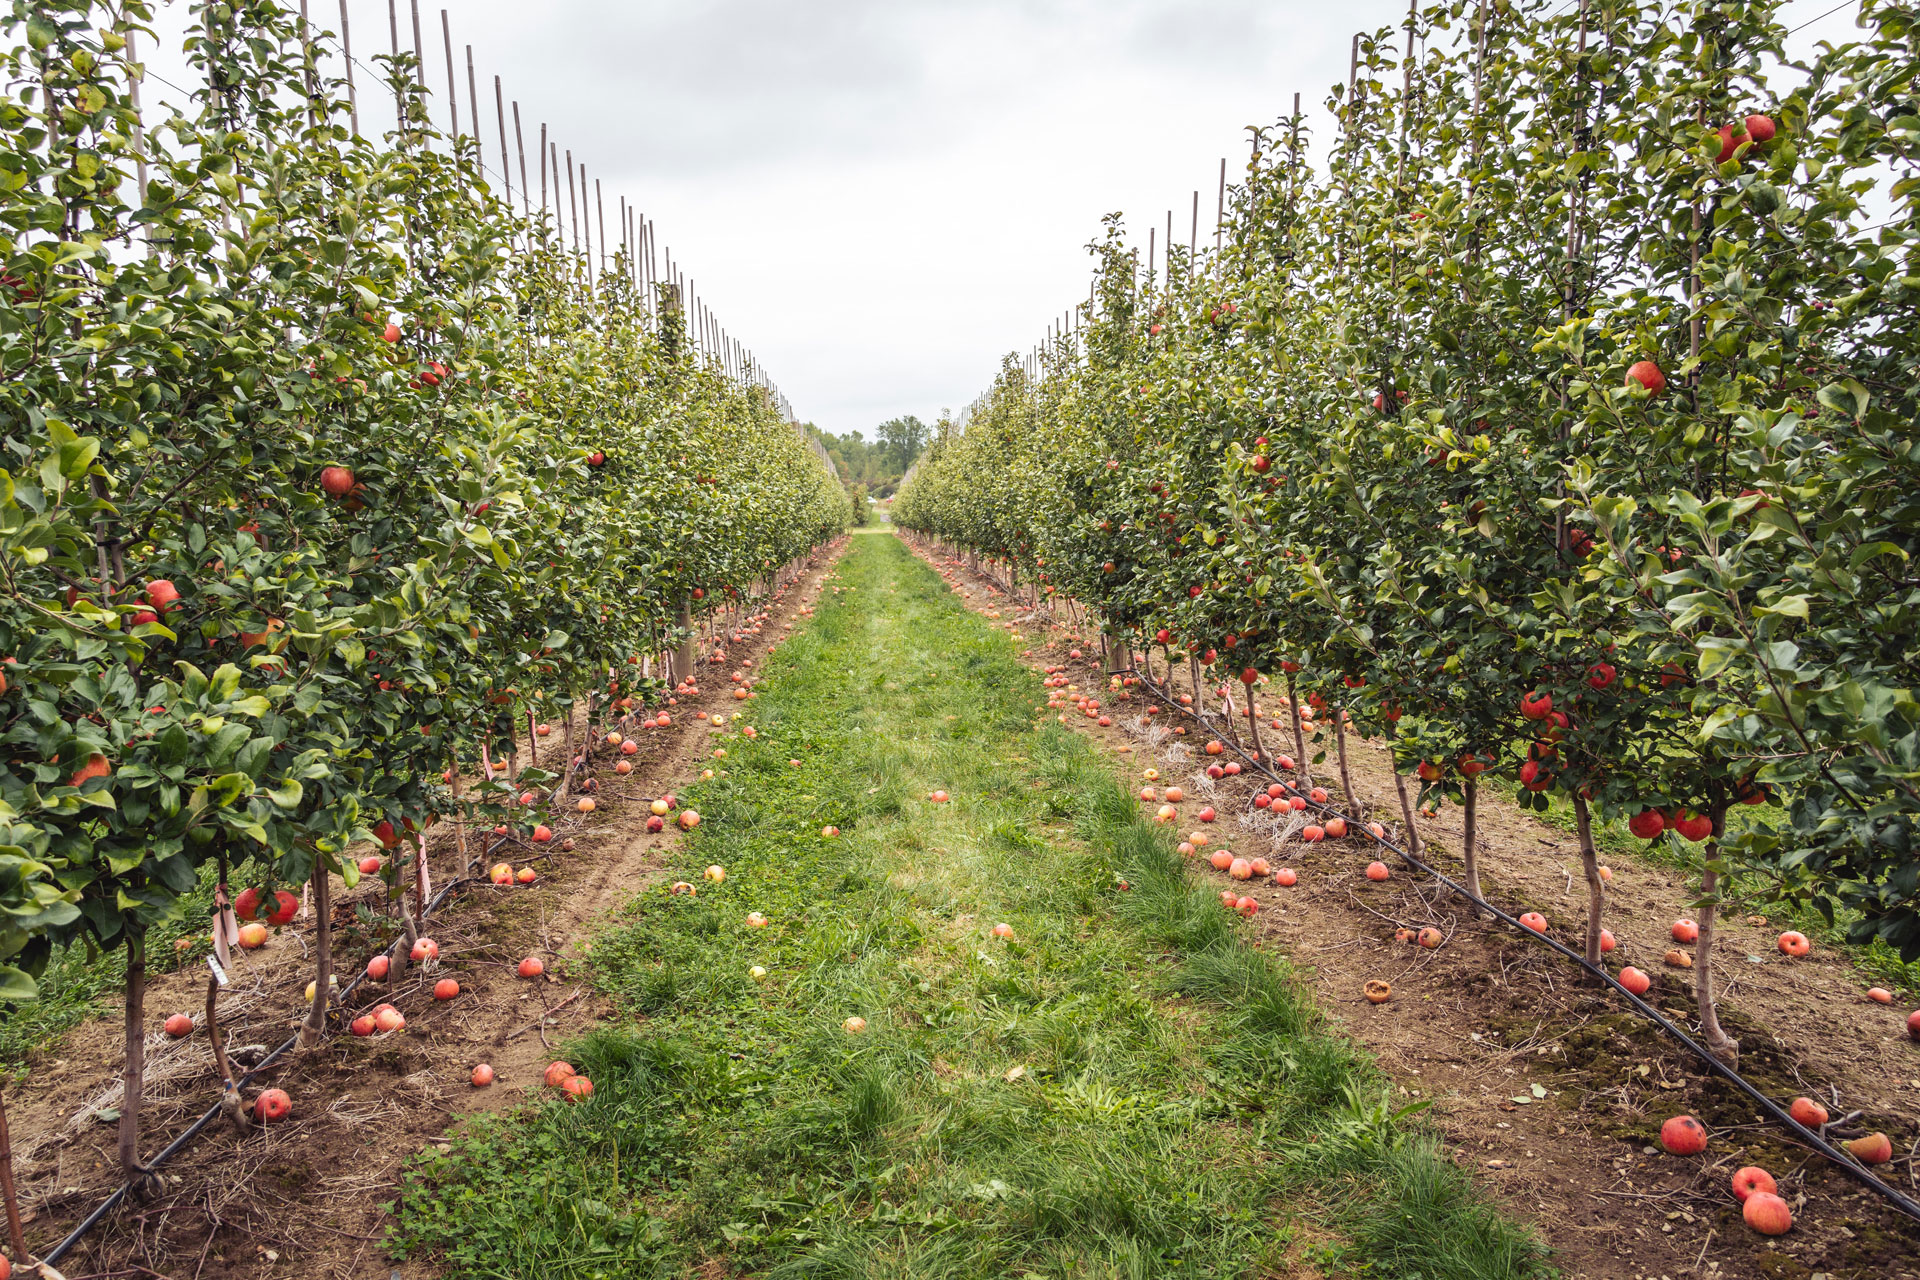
[219, 973]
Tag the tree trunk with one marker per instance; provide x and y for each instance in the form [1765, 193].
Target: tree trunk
[1406, 802]
[316, 1023]
[1717, 1041]
[15, 1237]
[1470, 794]
[1301, 768]
[133, 1078]
[231, 1105]
[683, 660]
[1346, 778]
[1590, 864]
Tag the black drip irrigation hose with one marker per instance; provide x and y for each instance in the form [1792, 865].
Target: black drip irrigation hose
[173, 1148]
[1772, 1109]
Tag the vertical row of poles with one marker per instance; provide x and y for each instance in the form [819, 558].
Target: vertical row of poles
[581, 218]
[1071, 320]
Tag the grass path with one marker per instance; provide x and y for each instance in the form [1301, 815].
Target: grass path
[1121, 1089]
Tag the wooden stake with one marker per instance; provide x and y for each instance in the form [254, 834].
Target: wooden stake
[600, 213]
[453, 85]
[506, 164]
[543, 160]
[399, 98]
[520, 146]
[419, 50]
[140, 168]
[573, 199]
[589, 222]
[346, 53]
[1220, 214]
[473, 103]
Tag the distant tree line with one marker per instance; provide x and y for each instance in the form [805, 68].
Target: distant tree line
[880, 462]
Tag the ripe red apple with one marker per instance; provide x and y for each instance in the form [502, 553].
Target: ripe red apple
[1647, 824]
[445, 989]
[378, 967]
[557, 1073]
[253, 936]
[1648, 375]
[1377, 871]
[1535, 921]
[1913, 1024]
[1767, 1213]
[388, 1018]
[1693, 826]
[1635, 981]
[362, 1025]
[1808, 1112]
[1760, 129]
[424, 949]
[542, 834]
[1793, 943]
[1752, 1180]
[532, 967]
[1285, 877]
[1600, 675]
[482, 1076]
[577, 1088]
[1685, 930]
[337, 482]
[272, 1106]
[179, 1025]
[1430, 937]
[1607, 942]
[1683, 1136]
[370, 865]
[526, 875]
[1536, 706]
[160, 593]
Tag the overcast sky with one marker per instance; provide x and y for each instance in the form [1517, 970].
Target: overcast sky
[882, 197]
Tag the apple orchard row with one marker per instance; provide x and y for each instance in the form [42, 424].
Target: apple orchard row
[324, 469]
[1560, 428]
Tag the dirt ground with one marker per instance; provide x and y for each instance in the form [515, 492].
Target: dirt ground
[1549, 1089]
[304, 1198]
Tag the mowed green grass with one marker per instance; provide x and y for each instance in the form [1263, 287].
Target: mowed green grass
[1124, 1088]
